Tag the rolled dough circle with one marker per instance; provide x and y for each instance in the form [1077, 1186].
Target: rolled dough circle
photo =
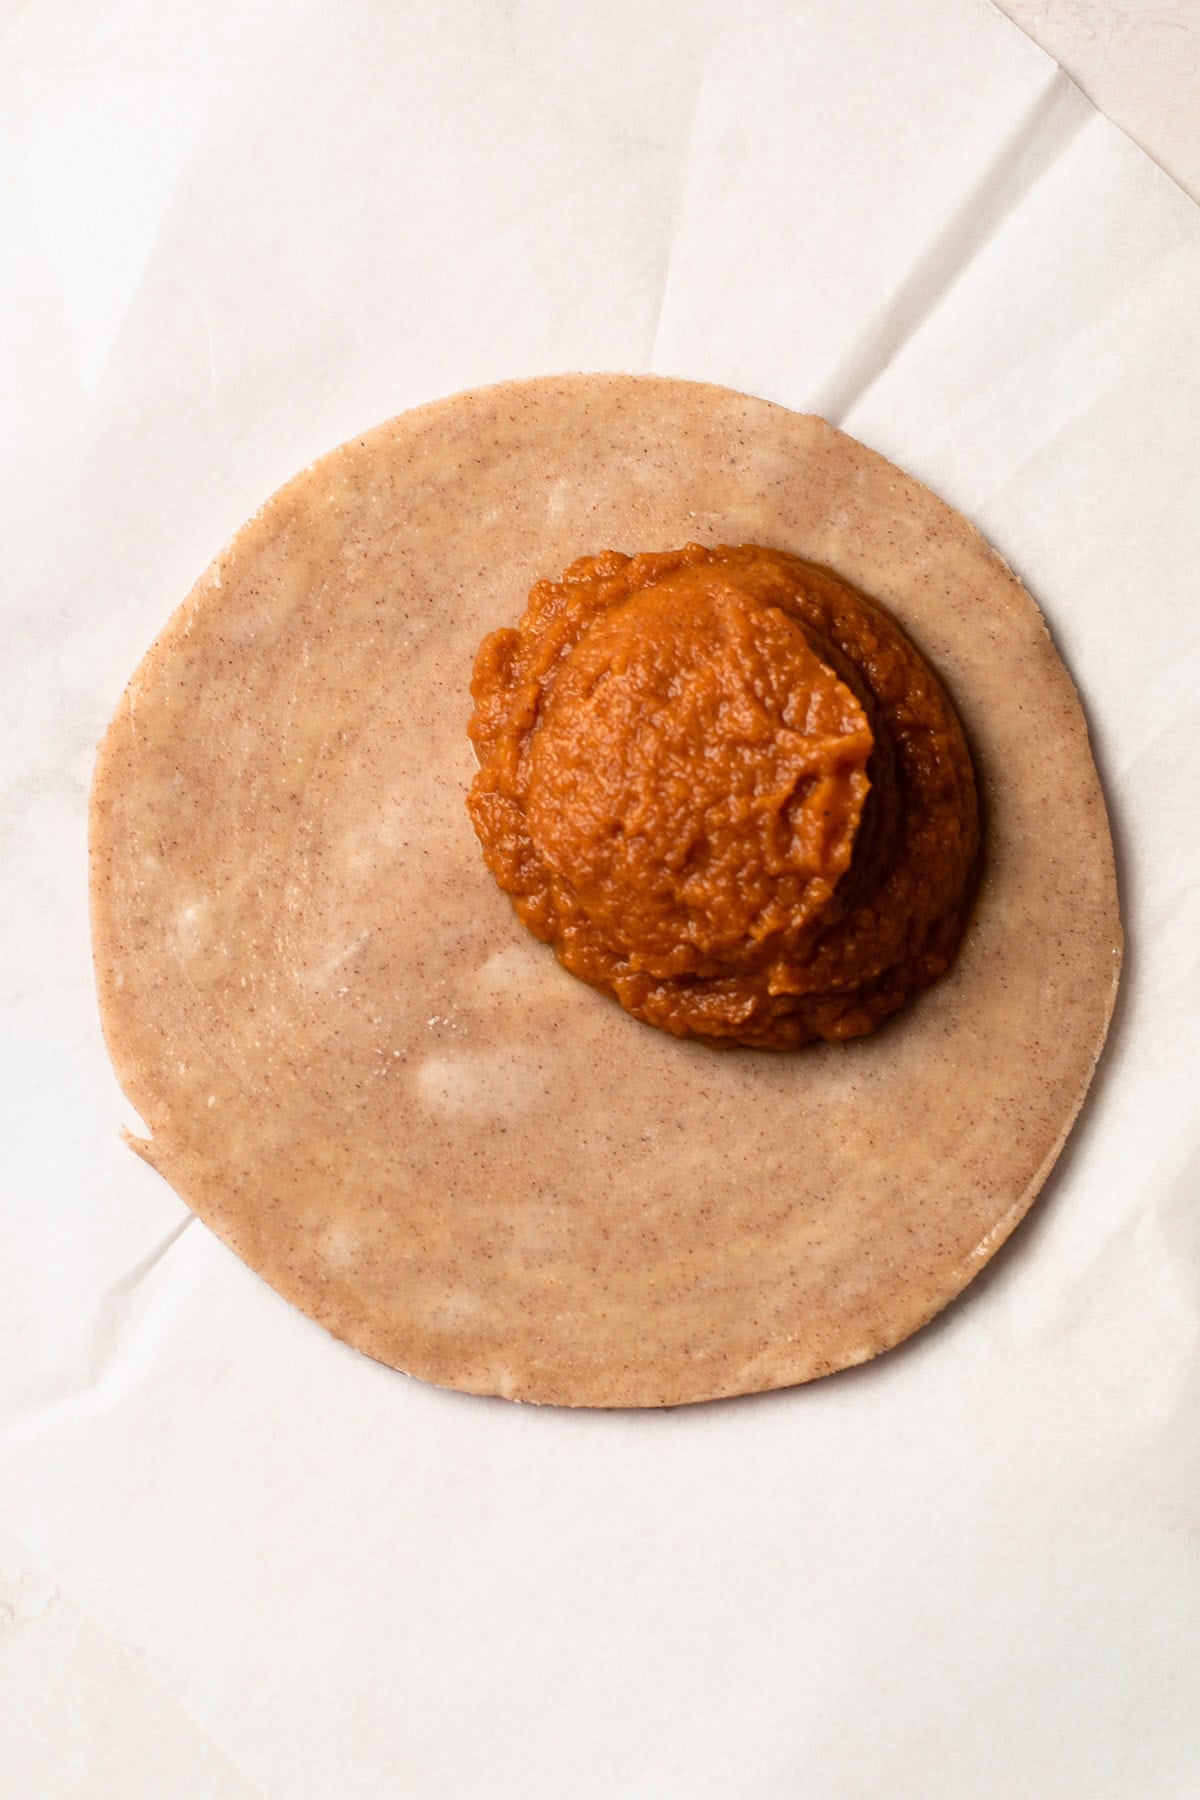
[362, 1073]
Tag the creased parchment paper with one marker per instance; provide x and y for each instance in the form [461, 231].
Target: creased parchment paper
[234, 238]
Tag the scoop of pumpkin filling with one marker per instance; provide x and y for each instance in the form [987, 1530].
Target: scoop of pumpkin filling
[728, 790]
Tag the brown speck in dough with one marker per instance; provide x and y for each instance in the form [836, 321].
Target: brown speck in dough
[549, 1200]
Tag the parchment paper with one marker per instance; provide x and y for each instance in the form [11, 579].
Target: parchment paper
[238, 1560]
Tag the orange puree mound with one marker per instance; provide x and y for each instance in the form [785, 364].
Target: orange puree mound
[697, 778]
[728, 790]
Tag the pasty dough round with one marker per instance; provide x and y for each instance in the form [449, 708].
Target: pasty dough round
[370, 1081]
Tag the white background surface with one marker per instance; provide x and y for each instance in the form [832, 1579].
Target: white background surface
[238, 1560]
